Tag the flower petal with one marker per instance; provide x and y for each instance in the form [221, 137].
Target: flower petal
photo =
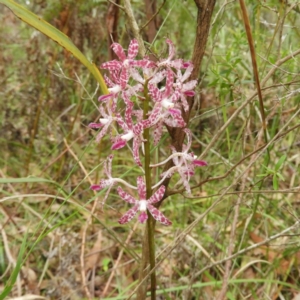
[143, 217]
[158, 216]
[141, 188]
[96, 187]
[118, 144]
[95, 125]
[126, 197]
[133, 49]
[117, 48]
[157, 196]
[129, 215]
[199, 163]
[112, 65]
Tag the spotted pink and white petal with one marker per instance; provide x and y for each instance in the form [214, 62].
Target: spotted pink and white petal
[136, 147]
[118, 49]
[158, 216]
[188, 71]
[154, 93]
[126, 197]
[108, 81]
[105, 97]
[169, 83]
[189, 85]
[158, 77]
[157, 132]
[133, 49]
[124, 77]
[112, 65]
[102, 133]
[129, 215]
[184, 102]
[154, 116]
[185, 180]
[138, 128]
[171, 48]
[143, 63]
[176, 64]
[95, 125]
[141, 187]
[176, 120]
[157, 196]
[122, 123]
[128, 112]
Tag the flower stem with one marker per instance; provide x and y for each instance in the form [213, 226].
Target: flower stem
[148, 245]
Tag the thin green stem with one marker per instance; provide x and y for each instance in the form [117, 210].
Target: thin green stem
[150, 221]
[149, 246]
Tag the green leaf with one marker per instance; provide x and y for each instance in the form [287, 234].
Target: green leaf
[269, 171]
[280, 176]
[280, 162]
[105, 264]
[56, 35]
[13, 277]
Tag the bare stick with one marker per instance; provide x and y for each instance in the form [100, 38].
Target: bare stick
[134, 27]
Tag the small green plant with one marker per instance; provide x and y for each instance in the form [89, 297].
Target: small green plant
[274, 173]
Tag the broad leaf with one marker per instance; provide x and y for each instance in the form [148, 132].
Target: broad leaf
[56, 35]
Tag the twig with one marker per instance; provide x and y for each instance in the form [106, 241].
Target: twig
[295, 190]
[255, 69]
[154, 15]
[134, 27]
[114, 3]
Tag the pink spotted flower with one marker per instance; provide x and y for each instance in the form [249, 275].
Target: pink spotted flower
[109, 181]
[164, 110]
[184, 163]
[169, 62]
[131, 131]
[143, 205]
[104, 122]
[185, 89]
[125, 63]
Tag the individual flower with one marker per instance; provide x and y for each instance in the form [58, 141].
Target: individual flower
[118, 88]
[143, 205]
[131, 131]
[125, 63]
[185, 89]
[110, 181]
[104, 122]
[184, 163]
[169, 62]
[164, 111]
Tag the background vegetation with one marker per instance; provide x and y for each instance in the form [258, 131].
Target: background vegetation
[245, 204]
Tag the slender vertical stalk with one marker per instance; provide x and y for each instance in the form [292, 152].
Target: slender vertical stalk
[148, 248]
[150, 221]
